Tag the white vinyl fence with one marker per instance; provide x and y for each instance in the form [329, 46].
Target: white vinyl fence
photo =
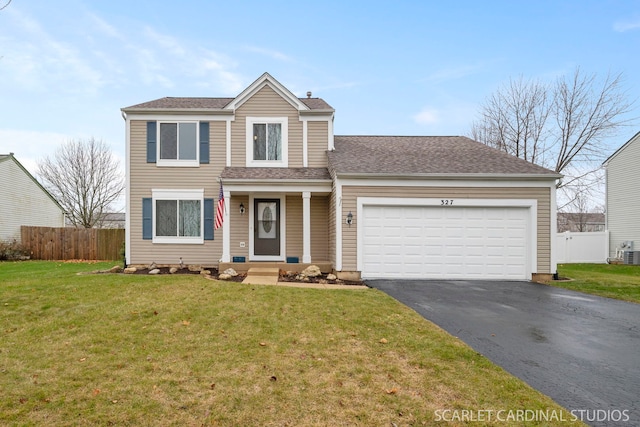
[582, 247]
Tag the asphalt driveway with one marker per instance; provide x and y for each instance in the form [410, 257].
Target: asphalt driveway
[581, 350]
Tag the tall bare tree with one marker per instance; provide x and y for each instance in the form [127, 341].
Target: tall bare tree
[514, 120]
[84, 176]
[560, 126]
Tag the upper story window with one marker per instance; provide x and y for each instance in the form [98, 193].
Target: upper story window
[178, 144]
[267, 141]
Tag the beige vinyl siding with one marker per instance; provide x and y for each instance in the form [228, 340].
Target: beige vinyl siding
[265, 103]
[239, 226]
[319, 228]
[23, 202]
[542, 195]
[623, 197]
[147, 176]
[317, 141]
[294, 226]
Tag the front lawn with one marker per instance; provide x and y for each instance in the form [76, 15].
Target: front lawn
[607, 280]
[186, 351]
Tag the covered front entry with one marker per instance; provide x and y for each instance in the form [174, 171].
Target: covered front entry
[445, 242]
[275, 215]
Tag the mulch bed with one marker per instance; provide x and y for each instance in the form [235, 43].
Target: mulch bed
[284, 276]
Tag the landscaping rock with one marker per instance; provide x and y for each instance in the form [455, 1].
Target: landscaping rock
[231, 272]
[311, 271]
[205, 272]
[224, 276]
[195, 268]
[331, 277]
[115, 269]
[155, 271]
[173, 270]
[153, 266]
[130, 270]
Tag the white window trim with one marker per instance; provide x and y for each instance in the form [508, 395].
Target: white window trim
[177, 162]
[284, 122]
[191, 194]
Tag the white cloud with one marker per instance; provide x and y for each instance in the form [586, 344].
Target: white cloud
[35, 59]
[428, 116]
[452, 118]
[622, 26]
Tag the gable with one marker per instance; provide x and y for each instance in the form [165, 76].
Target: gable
[266, 80]
[631, 147]
[266, 102]
[14, 172]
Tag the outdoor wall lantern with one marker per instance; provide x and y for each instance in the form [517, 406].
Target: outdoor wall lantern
[349, 218]
[241, 209]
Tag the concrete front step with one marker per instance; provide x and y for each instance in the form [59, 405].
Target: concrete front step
[262, 276]
[261, 271]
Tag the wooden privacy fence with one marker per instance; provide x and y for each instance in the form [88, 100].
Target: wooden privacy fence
[59, 243]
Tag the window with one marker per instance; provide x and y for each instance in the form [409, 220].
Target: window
[178, 216]
[267, 141]
[178, 143]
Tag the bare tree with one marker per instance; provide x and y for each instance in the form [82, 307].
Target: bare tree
[85, 178]
[514, 119]
[560, 126]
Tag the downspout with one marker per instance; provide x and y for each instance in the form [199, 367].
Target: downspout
[127, 190]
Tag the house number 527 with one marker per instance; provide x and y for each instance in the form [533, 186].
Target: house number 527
[446, 202]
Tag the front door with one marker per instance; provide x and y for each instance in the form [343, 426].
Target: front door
[266, 227]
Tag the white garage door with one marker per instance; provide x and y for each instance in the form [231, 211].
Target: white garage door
[444, 242]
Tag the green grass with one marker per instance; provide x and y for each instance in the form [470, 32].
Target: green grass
[186, 351]
[607, 280]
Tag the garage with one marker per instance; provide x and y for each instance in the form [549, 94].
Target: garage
[443, 239]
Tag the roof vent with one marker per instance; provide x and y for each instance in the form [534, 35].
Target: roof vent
[309, 94]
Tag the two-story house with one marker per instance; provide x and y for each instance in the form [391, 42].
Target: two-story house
[295, 193]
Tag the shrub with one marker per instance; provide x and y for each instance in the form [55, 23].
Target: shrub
[12, 251]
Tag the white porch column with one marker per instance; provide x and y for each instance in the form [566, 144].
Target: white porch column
[306, 226]
[226, 229]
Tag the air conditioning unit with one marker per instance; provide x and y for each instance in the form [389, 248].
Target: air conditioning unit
[631, 257]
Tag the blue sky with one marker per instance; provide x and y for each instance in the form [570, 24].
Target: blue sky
[395, 67]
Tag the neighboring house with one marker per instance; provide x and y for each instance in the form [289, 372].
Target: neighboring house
[23, 201]
[623, 195]
[110, 220]
[580, 221]
[375, 206]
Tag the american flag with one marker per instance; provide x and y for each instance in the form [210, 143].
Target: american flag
[220, 209]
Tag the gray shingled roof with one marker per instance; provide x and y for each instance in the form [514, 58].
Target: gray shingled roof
[171, 103]
[285, 174]
[425, 155]
[182, 103]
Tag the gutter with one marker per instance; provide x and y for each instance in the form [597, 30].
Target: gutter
[448, 176]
